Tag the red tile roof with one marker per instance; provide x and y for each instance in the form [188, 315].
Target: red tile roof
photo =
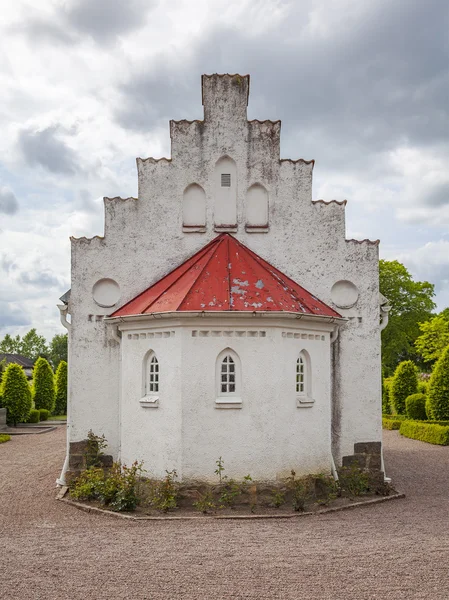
[225, 275]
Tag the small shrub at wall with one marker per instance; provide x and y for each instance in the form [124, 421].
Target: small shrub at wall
[4, 438]
[391, 423]
[432, 433]
[404, 384]
[34, 416]
[61, 389]
[43, 385]
[43, 414]
[439, 388]
[415, 406]
[16, 394]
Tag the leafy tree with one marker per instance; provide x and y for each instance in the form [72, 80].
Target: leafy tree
[61, 389]
[434, 337]
[10, 345]
[43, 385]
[438, 398]
[58, 349]
[33, 345]
[16, 394]
[404, 384]
[411, 304]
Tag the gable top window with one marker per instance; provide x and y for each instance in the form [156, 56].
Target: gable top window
[227, 382]
[225, 180]
[153, 376]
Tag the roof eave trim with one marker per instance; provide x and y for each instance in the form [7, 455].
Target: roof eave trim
[227, 315]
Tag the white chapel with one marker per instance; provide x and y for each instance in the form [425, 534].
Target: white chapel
[224, 312]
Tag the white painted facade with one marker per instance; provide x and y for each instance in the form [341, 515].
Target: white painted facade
[268, 206]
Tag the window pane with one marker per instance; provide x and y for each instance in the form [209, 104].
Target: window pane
[223, 388]
[232, 387]
[232, 368]
[232, 378]
[224, 378]
[231, 359]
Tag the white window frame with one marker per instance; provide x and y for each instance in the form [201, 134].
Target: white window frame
[151, 380]
[303, 389]
[230, 371]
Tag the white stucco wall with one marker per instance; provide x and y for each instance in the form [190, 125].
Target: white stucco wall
[144, 239]
[266, 437]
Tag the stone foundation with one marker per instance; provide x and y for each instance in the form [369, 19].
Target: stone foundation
[78, 460]
[367, 456]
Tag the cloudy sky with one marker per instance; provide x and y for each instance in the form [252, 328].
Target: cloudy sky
[87, 85]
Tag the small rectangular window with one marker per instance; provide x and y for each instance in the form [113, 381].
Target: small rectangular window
[226, 180]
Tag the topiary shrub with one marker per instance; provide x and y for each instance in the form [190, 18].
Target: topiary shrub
[386, 405]
[16, 394]
[43, 414]
[34, 416]
[61, 389]
[43, 385]
[428, 408]
[404, 384]
[415, 406]
[423, 386]
[439, 388]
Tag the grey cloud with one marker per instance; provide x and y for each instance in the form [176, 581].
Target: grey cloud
[44, 148]
[8, 202]
[103, 20]
[38, 29]
[39, 279]
[437, 196]
[12, 316]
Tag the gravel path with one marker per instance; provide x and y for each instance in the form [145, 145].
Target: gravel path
[50, 550]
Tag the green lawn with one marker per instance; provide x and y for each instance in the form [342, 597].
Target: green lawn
[58, 418]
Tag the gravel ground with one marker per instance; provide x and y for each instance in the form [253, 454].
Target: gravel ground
[50, 550]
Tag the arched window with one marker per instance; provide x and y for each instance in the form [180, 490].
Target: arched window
[228, 380]
[303, 380]
[256, 209]
[225, 195]
[194, 209]
[150, 381]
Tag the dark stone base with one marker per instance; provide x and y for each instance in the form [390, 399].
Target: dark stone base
[367, 457]
[77, 460]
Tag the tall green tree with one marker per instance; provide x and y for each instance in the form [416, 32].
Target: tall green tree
[411, 303]
[43, 385]
[10, 345]
[434, 337]
[58, 349]
[34, 345]
[61, 389]
[16, 394]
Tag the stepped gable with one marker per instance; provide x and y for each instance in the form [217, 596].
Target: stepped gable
[225, 275]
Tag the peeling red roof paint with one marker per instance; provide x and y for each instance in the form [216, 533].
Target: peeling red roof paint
[225, 275]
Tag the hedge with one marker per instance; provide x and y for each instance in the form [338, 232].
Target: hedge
[439, 388]
[404, 384]
[432, 433]
[43, 385]
[415, 406]
[43, 414]
[4, 438]
[34, 416]
[391, 423]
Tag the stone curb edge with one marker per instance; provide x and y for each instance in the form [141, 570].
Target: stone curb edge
[110, 513]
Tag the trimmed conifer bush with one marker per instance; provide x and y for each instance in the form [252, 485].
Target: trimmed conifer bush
[43, 414]
[16, 394]
[386, 406]
[61, 389]
[43, 385]
[439, 388]
[34, 416]
[404, 384]
[415, 406]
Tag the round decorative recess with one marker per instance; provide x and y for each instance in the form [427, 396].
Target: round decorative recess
[106, 292]
[344, 294]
